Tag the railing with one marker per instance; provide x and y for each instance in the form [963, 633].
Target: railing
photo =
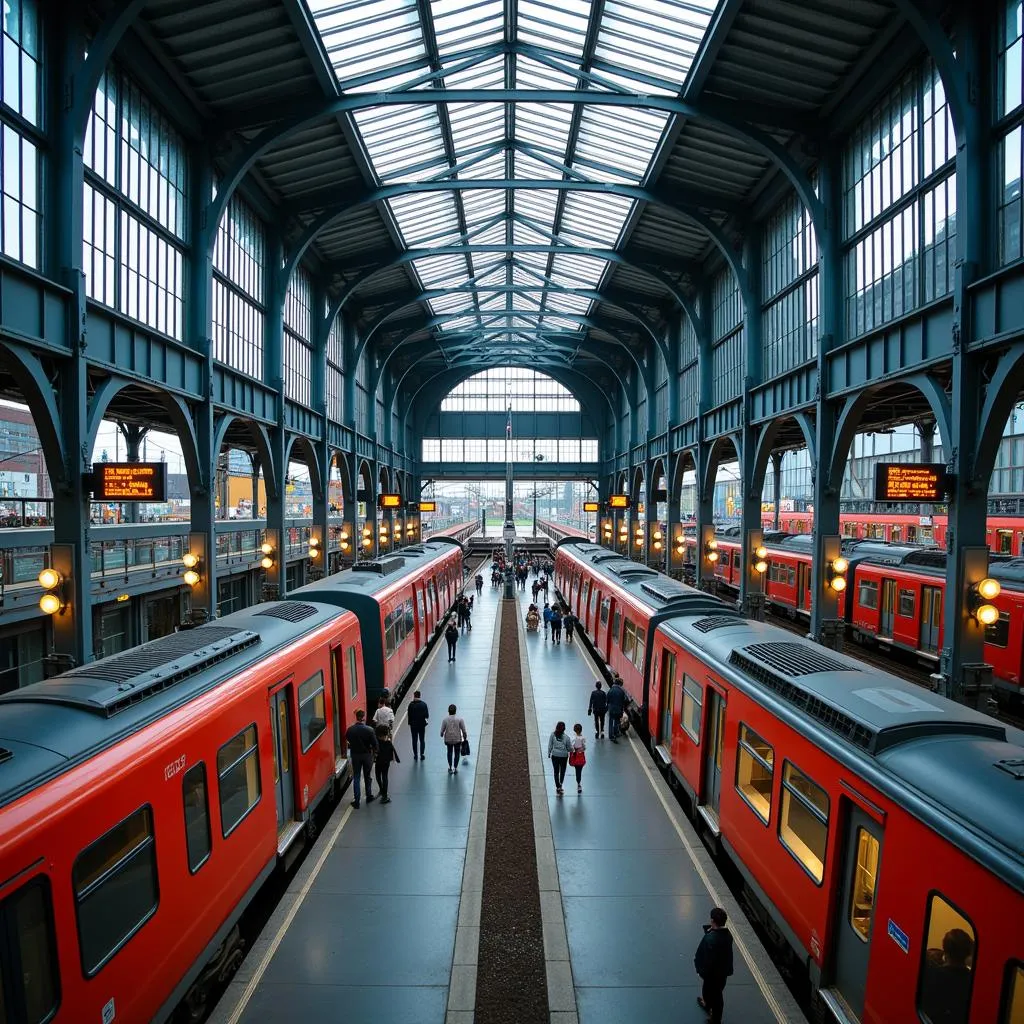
[559, 531]
[460, 529]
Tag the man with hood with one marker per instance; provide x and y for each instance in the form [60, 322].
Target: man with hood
[713, 962]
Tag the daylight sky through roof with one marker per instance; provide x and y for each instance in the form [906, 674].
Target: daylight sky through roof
[639, 47]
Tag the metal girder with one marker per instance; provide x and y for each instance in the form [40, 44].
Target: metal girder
[305, 113]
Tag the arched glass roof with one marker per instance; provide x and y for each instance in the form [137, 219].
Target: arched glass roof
[517, 285]
[510, 387]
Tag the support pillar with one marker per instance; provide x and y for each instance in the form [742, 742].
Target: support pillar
[273, 373]
[751, 589]
[776, 485]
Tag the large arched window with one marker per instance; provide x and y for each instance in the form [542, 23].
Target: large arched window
[524, 390]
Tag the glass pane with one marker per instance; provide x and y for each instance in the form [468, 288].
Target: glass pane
[944, 996]
[197, 816]
[1014, 1011]
[865, 881]
[31, 923]
[754, 772]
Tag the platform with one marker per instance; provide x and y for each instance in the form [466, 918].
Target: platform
[633, 885]
[382, 921]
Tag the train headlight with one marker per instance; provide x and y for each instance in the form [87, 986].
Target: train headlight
[987, 614]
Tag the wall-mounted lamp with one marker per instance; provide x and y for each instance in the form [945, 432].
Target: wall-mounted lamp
[979, 601]
[192, 563]
[711, 551]
[267, 561]
[52, 602]
[760, 560]
[314, 547]
[836, 574]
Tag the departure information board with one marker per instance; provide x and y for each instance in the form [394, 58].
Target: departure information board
[591, 506]
[618, 501]
[896, 481]
[129, 481]
[428, 506]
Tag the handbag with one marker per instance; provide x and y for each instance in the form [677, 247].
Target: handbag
[465, 748]
[577, 758]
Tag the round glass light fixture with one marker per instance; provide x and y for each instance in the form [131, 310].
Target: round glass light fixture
[49, 578]
[840, 565]
[50, 604]
[267, 548]
[838, 584]
[989, 589]
[267, 562]
[761, 566]
[190, 560]
[191, 577]
[760, 553]
[987, 614]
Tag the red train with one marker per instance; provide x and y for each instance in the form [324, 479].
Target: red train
[1005, 534]
[877, 827]
[145, 798]
[894, 597]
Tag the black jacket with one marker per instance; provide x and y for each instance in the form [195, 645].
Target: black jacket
[418, 713]
[714, 954]
[361, 739]
[616, 699]
[451, 634]
[387, 753]
[598, 701]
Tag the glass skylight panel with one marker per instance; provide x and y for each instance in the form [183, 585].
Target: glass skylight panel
[493, 235]
[363, 36]
[617, 142]
[438, 271]
[591, 218]
[486, 74]
[402, 140]
[460, 25]
[450, 303]
[545, 125]
[537, 205]
[526, 234]
[482, 205]
[559, 25]
[423, 218]
[564, 303]
[569, 268]
[535, 74]
[490, 168]
[656, 37]
[474, 124]
[460, 323]
[493, 302]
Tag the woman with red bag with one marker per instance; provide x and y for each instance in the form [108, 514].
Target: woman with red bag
[578, 754]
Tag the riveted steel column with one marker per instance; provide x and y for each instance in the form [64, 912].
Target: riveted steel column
[825, 626]
[318, 556]
[273, 375]
[705, 510]
[963, 675]
[777, 485]
[72, 629]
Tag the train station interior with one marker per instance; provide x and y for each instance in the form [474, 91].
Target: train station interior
[726, 296]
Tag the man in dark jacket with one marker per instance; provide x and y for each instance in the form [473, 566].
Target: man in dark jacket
[362, 745]
[419, 713]
[713, 962]
[616, 706]
[597, 707]
[451, 635]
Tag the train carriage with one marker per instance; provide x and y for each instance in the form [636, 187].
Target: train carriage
[869, 819]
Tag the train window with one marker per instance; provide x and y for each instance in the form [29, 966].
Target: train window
[906, 604]
[723, 560]
[803, 823]
[865, 879]
[197, 816]
[867, 594]
[998, 634]
[606, 605]
[1004, 542]
[947, 965]
[629, 639]
[29, 979]
[693, 699]
[593, 600]
[1013, 997]
[238, 777]
[616, 627]
[640, 649]
[755, 769]
[115, 886]
[353, 675]
[410, 619]
[312, 711]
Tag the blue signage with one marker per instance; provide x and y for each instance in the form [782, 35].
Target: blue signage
[899, 936]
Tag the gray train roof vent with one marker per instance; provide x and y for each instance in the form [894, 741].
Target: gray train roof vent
[711, 622]
[290, 611]
[814, 707]
[631, 570]
[380, 566]
[665, 590]
[1012, 766]
[796, 659]
[110, 686]
[414, 549]
[5, 755]
[604, 556]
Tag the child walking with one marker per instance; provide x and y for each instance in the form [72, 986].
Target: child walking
[578, 754]
[386, 753]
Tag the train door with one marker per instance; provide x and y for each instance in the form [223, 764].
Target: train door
[931, 617]
[862, 861]
[666, 689]
[279, 726]
[803, 586]
[336, 676]
[715, 740]
[888, 609]
[1004, 542]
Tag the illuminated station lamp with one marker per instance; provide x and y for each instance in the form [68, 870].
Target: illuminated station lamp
[314, 547]
[52, 602]
[267, 561]
[680, 544]
[343, 540]
[711, 551]
[979, 602]
[760, 560]
[367, 537]
[657, 538]
[836, 574]
[192, 575]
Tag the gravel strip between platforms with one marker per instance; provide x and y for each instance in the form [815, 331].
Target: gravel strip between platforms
[511, 976]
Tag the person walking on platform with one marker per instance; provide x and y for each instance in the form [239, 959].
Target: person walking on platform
[547, 617]
[386, 753]
[556, 625]
[468, 607]
[713, 961]
[578, 754]
[384, 715]
[451, 634]
[616, 707]
[419, 715]
[362, 745]
[453, 732]
[479, 580]
[598, 707]
[569, 621]
[559, 749]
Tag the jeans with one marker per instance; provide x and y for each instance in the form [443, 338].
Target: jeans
[599, 721]
[419, 738]
[559, 764]
[454, 753]
[362, 764]
[381, 770]
[613, 723]
[556, 634]
[712, 993]
[568, 634]
[451, 649]
[579, 774]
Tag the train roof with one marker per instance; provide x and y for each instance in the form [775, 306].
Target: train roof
[648, 587]
[368, 579]
[960, 761]
[49, 727]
